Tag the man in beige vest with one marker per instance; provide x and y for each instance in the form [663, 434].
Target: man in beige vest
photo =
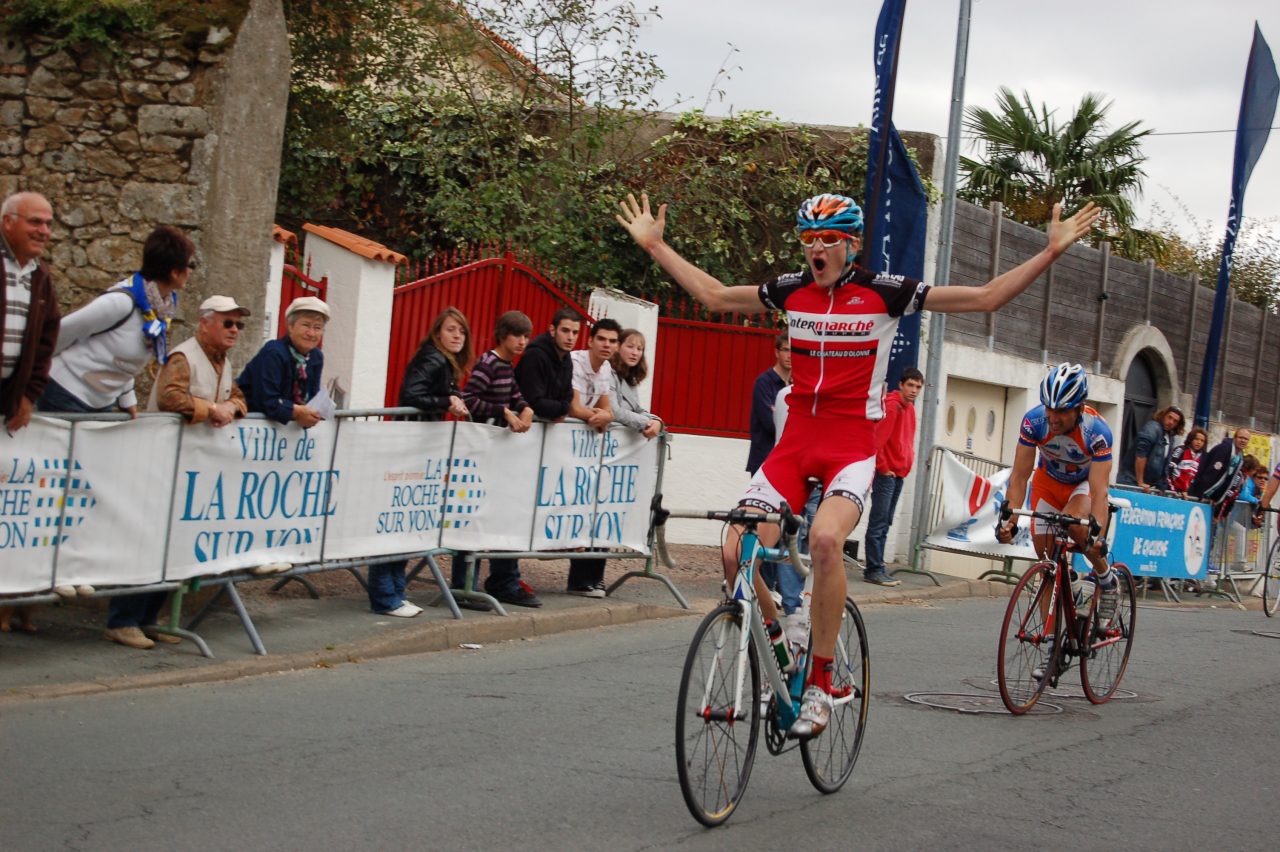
[197, 382]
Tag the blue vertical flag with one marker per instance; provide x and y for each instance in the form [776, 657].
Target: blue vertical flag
[895, 202]
[1257, 110]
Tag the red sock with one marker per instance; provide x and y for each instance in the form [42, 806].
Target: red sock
[820, 673]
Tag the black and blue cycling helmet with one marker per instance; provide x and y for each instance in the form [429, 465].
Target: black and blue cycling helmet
[1066, 386]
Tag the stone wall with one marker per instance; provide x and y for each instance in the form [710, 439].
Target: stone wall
[162, 133]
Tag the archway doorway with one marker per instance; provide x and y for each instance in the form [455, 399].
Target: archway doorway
[1141, 396]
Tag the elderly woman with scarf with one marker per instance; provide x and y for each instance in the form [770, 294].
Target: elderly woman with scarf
[101, 349]
[285, 374]
[103, 346]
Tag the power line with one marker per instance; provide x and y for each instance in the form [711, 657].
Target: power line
[967, 136]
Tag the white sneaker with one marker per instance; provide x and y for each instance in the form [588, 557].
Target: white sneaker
[815, 714]
[1108, 599]
[405, 610]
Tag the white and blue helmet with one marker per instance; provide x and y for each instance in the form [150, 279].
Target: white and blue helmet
[1066, 386]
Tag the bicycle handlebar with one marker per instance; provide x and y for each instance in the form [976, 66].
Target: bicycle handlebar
[739, 516]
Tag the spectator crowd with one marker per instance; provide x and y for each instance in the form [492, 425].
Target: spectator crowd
[90, 360]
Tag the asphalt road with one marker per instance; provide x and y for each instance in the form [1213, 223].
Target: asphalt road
[566, 743]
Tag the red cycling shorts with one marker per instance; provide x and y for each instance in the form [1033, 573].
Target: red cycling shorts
[1050, 495]
[839, 452]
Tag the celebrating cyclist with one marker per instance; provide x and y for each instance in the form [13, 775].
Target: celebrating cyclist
[842, 322]
[1074, 447]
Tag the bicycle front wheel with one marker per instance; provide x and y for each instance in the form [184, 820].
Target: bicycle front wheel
[829, 758]
[718, 717]
[1103, 662]
[1023, 638]
[1271, 581]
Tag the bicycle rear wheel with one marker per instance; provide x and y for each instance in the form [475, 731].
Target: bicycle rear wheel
[1271, 581]
[1103, 662]
[716, 746]
[829, 758]
[1022, 640]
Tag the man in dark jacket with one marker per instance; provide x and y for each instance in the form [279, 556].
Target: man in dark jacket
[545, 373]
[1148, 467]
[1218, 467]
[29, 316]
[763, 396]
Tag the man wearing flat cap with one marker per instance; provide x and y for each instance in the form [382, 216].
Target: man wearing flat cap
[285, 374]
[196, 382]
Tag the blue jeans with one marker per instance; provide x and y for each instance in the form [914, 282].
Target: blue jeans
[885, 490]
[58, 398]
[782, 576]
[386, 586]
[140, 610]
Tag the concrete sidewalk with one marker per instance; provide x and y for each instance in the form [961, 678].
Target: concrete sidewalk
[68, 656]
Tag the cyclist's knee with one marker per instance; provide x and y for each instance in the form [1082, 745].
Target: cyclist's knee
[825, 540]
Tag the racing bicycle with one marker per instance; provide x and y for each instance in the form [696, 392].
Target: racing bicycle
[1043, 607]
[732, 685]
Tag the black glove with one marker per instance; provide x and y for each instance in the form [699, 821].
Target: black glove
[1006, 512]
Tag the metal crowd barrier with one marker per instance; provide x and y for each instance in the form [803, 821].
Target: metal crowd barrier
[985, 468]
[226, 583]
[1238, 554]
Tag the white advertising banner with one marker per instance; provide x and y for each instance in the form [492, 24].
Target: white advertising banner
[970, 504]
[389, 488]
[491, 486]
[251, 493]
[593, 489]
[566, 505]
[33, 482]
[257, 493]
[624, 495]
[126, 469]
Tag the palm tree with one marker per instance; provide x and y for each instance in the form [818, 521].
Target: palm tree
[1033, 161]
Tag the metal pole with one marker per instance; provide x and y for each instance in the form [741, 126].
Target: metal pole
[937, 320]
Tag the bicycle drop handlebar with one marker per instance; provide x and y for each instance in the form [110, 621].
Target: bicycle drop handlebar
[738, 516]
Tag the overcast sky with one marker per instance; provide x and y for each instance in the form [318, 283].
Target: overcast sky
[1176, 67]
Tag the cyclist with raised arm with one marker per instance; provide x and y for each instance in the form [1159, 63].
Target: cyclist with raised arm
[842, 322]
[1073, 444]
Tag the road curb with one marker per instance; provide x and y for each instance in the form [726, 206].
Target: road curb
[424, 638]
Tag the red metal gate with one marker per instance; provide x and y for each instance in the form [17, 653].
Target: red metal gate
[483, 282]
[294, 284]
[704, 372]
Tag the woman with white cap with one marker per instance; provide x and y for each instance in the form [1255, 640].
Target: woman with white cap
[285, 374]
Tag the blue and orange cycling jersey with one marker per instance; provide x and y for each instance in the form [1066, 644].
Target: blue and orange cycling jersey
[1066, 458]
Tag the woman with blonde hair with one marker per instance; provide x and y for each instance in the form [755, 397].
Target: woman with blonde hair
[430, 385]
[629, 370]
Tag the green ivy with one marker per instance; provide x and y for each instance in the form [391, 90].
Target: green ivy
[429, 165]
[102, 24]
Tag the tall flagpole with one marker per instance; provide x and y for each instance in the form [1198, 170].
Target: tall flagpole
[938, 320]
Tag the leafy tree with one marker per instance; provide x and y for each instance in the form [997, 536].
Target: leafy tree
[1255, 262]
[1031, 161]
[453, 139]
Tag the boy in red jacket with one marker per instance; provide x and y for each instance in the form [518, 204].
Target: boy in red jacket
[895, 455]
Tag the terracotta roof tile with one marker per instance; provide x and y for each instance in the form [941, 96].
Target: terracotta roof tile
[356, 245]
[280, 235]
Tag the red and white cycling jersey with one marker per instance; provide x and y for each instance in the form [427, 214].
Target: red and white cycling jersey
[841, 337]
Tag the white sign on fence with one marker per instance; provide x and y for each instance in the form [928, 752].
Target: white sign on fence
[256, 493]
